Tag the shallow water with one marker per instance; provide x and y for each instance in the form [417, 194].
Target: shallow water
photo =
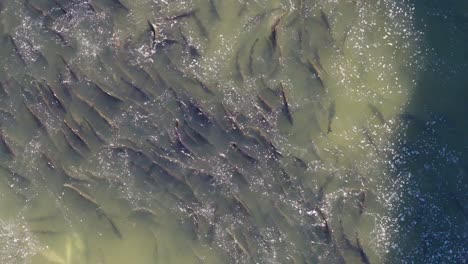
[208, 131]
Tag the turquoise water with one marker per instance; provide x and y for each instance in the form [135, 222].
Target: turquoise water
[209, 131]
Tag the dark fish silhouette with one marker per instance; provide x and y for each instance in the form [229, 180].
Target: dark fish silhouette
[182, 15]
[376, 112]
[17, 50]
[331, 116]
[286, 109]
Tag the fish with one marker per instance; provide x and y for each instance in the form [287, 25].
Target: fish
[243, 153]
[182, 15]
[368, 137]
[76, 135]
[71, 145]
[180, 103]
[348, 243]
[43, 218]
[326, 228]
[300, 162]
[345, 37]
[155, 43]
[47, 232]
[203, 30]
[197, 112]
[412, 119]
[240, 204]
[17, 50]
[259, 17]
[361, 201]
[164, 43]
[143, 211]
[69, 69]
[286, 109]
[263, 140]
[82, 99]
[61, 7]
[236, 171]
[251, 56]
[194, 135]
[60, 36]
[376, 112]
[102, 116]
[316, 69]
[102, 214]
[289, 221]
[3, 90]
[240, 177]
[105, 93]
[64, 85]
[96, 177]
[124, 148]
[317, 64]
[72, 176]
[34, 116]
[5, 146]
[48, 161]
[156, 148]
[121, 5]
[274, 30]
[95, 133]
[286, 180]
[6, 115]
[180, 144]
[362, 253]
[264, 104]
[52, 99]
[240, 74]
[90, 6]
[234, 124]
[239, 245]
[242, 9]
[331, 116]
[204, 86]
[17, 178]
[39, 56]
[214, 10]
[141, 93]
[52, 256]
[261, 120]
[325, 21]
[194, 219]
[154, 34]
[193, 51]
[118, 4]
[166, 171]
[36, 9]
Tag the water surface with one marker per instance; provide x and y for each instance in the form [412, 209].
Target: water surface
[213, 131]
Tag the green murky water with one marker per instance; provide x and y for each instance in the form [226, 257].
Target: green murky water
[237, 131]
